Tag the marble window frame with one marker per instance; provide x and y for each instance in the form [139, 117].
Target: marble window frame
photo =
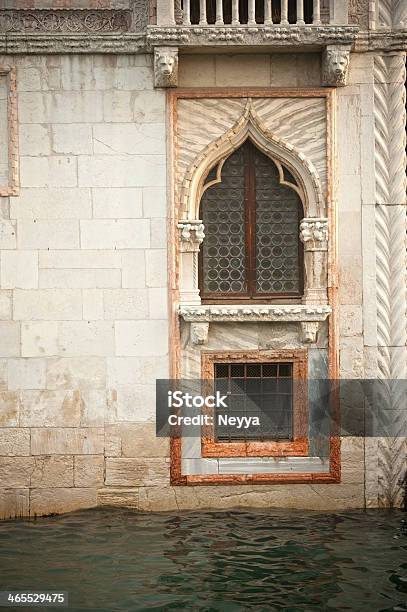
[298, 447]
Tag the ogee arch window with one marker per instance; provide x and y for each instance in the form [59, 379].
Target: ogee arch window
[252, 251]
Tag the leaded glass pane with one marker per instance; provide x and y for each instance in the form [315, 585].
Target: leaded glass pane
[223, 214]
[277, 228]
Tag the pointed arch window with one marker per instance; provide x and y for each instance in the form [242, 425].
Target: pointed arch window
[251, 210]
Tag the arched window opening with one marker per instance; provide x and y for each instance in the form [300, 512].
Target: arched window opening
[252, 251]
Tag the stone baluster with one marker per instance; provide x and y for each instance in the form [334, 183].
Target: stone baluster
[284, 12]
[252, 13]
[202, 13]
[268, 18]
[235, 12]
[300, 12]
[187, 13]
[316, 15]
[165, 13]
[314, 236]
[219, 12]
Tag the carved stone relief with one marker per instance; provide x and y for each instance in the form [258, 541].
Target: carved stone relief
[165, 67]
[335, 65]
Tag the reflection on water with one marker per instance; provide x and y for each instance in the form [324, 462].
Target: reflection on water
[111, 559]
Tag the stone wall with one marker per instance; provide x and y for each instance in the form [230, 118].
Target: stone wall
[83, 283]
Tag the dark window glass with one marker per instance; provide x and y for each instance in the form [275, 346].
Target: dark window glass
[252, 249]
[264, 390]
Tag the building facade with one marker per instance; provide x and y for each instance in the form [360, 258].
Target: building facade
[198, 190]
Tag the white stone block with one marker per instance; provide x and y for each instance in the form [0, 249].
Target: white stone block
[157, 301]
[133, 269]
[5, 305]
[26, 374]
[125, 203]
[129, 139]
[82, 279]
[77, 141]
[121, 170]
[48, 305]
[14, 442]
[89, 471]
[156, 268]
[350, 320]
[60, 107]
[122, 371]
[115, 234]
[77, 72]
[57, 203]
[39, 339]
[52, 234]
[51, 408]
[34, 139]
[154, 202]
[28, 79]
[9, 408]
[10, 339]
[158, 233]
[80, 259]
[139, 338]
[7, 234]
[95, 338]
[135, 404]
[54, 171]
[67, 441]
[19, 269]
[127, 106]
[125, 304]
[93, 304]
[94, 407]
[85, 373]
[128, 78]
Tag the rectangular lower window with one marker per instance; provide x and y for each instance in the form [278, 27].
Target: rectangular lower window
[269, 385]
[262, 390]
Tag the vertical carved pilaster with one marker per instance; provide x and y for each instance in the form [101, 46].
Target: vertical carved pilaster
[314, 235]
[191, 235]
[391, 263]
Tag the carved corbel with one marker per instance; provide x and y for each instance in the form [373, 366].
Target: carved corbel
[314, 235]
[165, 67]
[191, 235]
[199, 333]
[335, 66]
[309, 331]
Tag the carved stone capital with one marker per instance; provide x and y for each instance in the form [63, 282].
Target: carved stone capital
[199, 333]
[335, 65]
[310, 331]
[191, 234]
[166, 66]
[314, 233]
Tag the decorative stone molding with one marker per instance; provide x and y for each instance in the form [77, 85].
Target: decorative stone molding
[165, 67]
[259, 35]
[49, 21]
[335, 66]
[314, 233]
[309, 331]
[199, 333]
[191, 234]
[282, 313]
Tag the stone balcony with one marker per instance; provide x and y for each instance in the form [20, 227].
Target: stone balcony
[248, 23]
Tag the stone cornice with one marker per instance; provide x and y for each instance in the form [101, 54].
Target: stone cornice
[382, 40]
[49, 21]
[254, 313]
[279, 36]
[72, 43]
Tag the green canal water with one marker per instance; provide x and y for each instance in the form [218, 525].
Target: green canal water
[112, 559]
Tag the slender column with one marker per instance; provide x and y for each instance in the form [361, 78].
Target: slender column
[219, 12]
[316, 17]
[300, 12]
[235, 12]
[314, 236]
[284, 12]
[252, 12]
[165, 13]
[187, 13]
[191, 235]
[202, 12]
[268, 19]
